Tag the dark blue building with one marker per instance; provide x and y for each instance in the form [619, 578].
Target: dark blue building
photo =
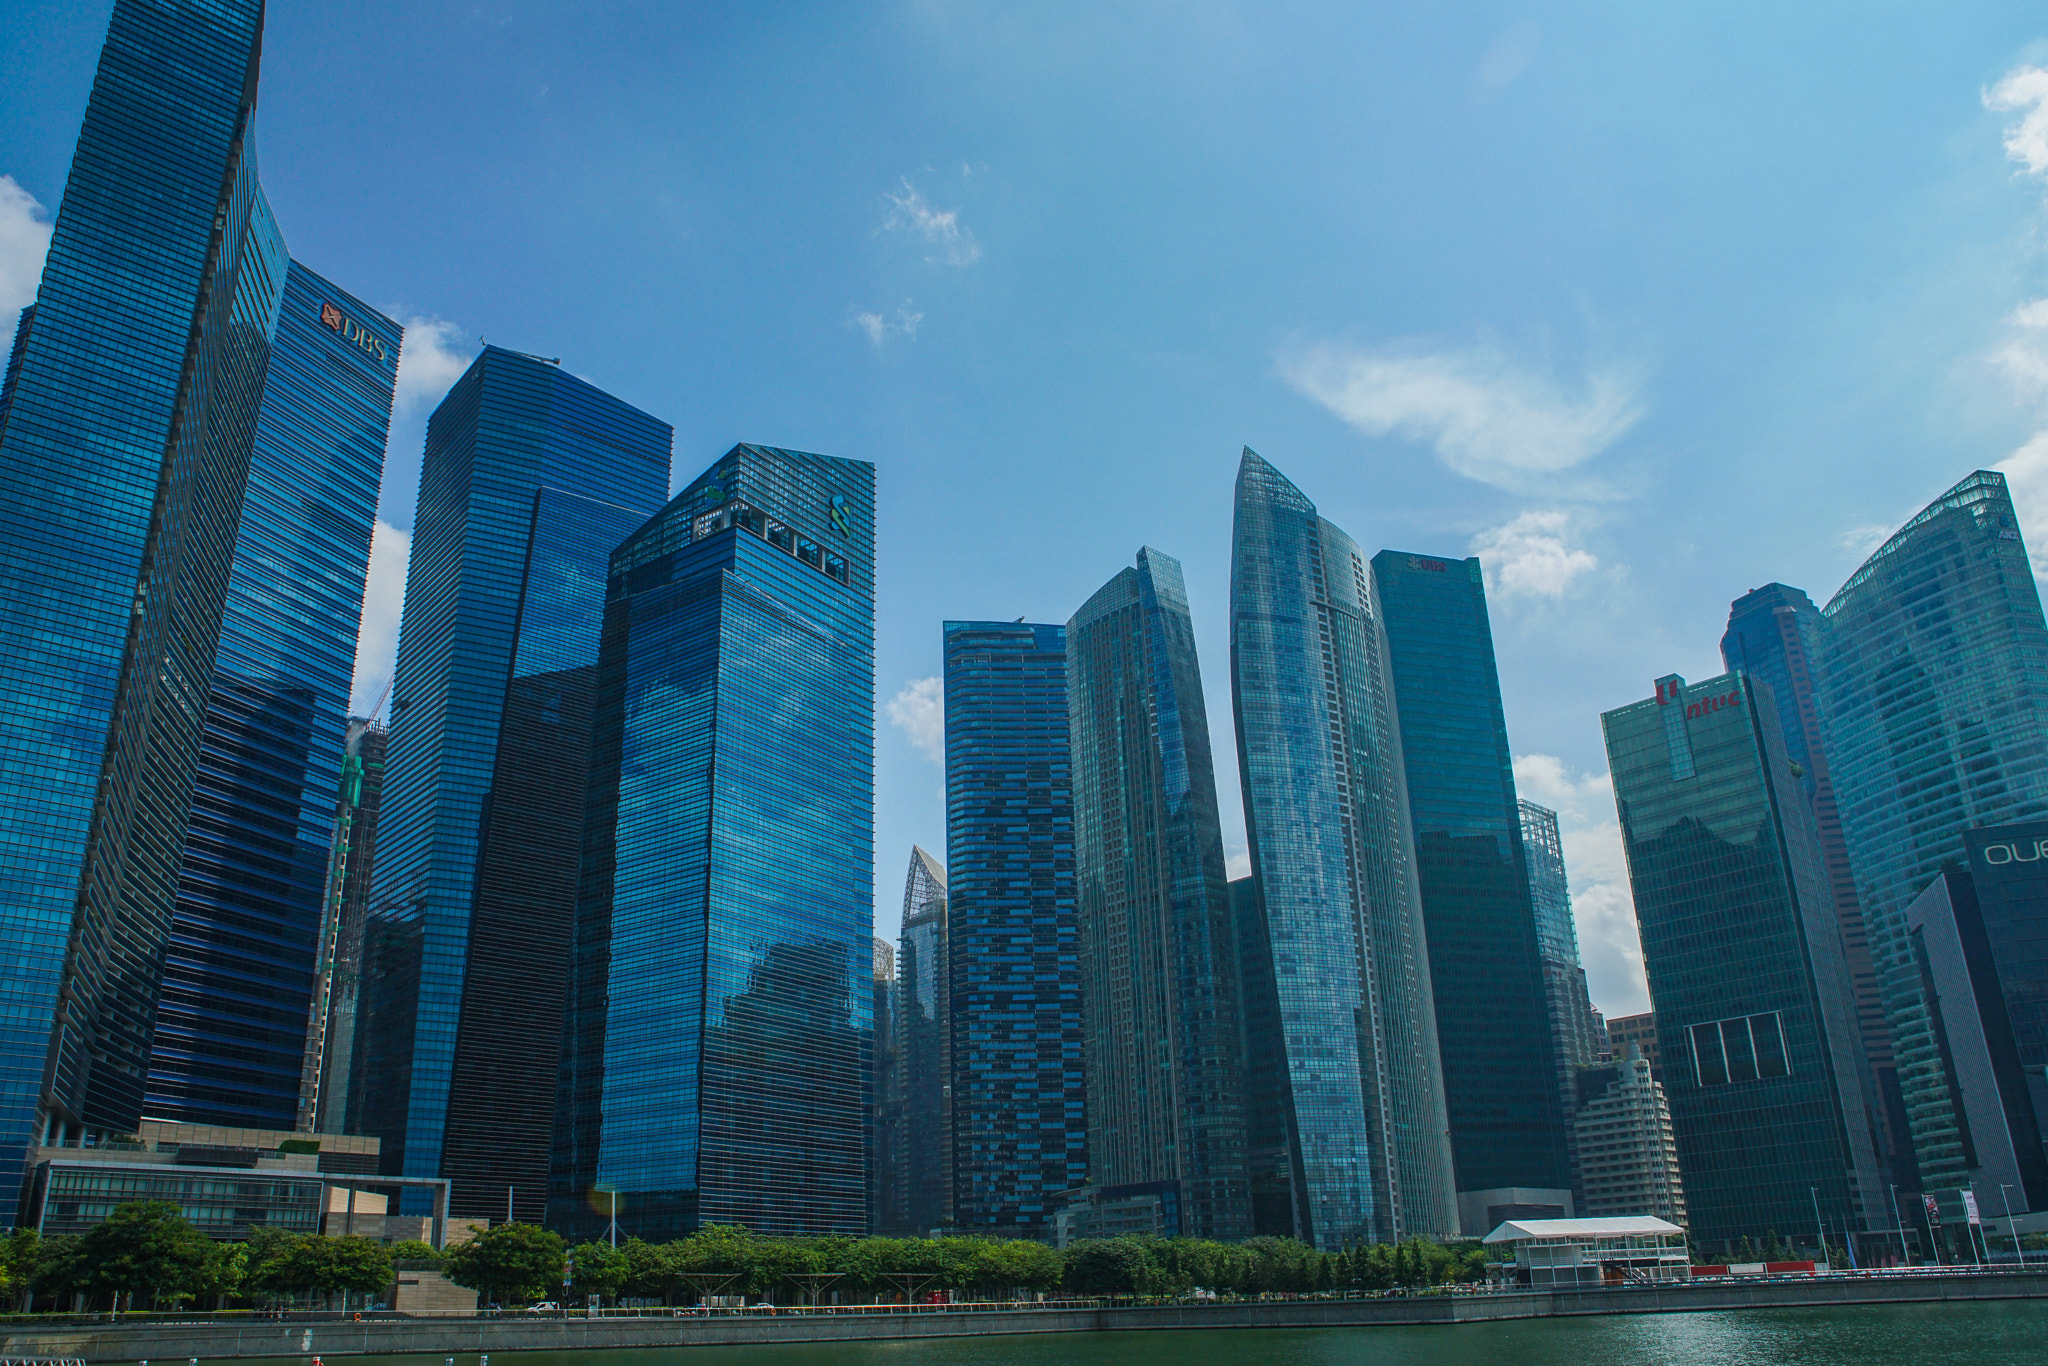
[531, 478]
[717, 1067]
[238, 973]
[1164, 1041]
[1354, 1117]
[1493, 1025]
[126, 430]
[1020, 1123]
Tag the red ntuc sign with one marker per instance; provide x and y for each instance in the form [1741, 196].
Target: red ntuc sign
[1713, 704]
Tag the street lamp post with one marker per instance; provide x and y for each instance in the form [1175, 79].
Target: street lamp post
[1898, 1225]
[2012, 1230]
[1817, 1228]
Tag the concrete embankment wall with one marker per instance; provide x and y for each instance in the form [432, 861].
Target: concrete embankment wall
[167, 1343]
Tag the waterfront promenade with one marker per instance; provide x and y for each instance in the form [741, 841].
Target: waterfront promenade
[241, 1337]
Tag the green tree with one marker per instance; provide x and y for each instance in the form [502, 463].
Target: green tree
[60, 1270]
[274, 1267]
[18, 1259]
[147, 1248]
[1107, 1266]
[600, 1269]
[508, 1262]
[415, 1252]
[226, 1268]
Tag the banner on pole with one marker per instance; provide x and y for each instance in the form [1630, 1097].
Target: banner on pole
[1970, 1205]
[1933, 1210]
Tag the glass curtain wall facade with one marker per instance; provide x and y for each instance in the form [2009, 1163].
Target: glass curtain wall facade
[1163, 1044]
[1493, 1029]
[1934, 702]
[923, 1050]
[1577, 1035]
[530, 479]
[125, 439]
[1744, 960]
[1773, 635]
[885, 1137]
[1020, 1114]
[337, 995]
[1361, 1102]
[717, 1067]
[239, 969]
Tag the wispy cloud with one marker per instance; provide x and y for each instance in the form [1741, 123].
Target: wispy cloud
[880, 327]
[383, 606]
[435, 354]
[1510, 55]
[919, 711]
[24, 242]
[1488, 417]
[945, 239]
[2024, 89]
[1532, 556]
[1610, 948]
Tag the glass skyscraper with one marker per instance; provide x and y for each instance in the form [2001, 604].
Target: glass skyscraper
[1755, 1014]
[1934, 701]
[1162, 1029]
[1577, 1035]
[328, 1076]
[1365, 1144]
[1773, 635]
[923, 1049]
[885, 1132]
[717, 1068]
[232, 1017]
[1020, 1123]
[531, 478]
[126, 432]
[1508, 1146]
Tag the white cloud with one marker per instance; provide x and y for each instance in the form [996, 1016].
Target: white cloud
[2024, 89]
[24, 242]
[1510, 55]
[1237, 865]
[1531, 556]
[1610, 948]
[1861, 540]
[949, 243]
[383, 605]
[880, 327]
[435, 354]
[1488, 417]
[919, 711]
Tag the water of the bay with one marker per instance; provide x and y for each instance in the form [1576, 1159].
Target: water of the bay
[1896, 1335]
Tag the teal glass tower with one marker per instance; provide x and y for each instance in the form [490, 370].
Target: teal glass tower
[1493, 1028]
[126, 432]
[530, 480]
[1934, 704]
[1359, 1105]
[923, 1185]
[231, 1022]
[1755, 1016]
[1019, 1091]
[717, 1066]
[1162, 1030]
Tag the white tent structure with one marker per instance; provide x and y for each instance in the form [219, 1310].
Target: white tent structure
[1570, 1252]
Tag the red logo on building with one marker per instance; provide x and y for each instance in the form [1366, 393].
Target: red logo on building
[330, 315]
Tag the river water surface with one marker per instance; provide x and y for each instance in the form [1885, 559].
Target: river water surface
[1893, 1334]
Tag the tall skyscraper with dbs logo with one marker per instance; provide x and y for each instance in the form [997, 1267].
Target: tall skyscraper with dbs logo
[1355, 1119]
[127, 426]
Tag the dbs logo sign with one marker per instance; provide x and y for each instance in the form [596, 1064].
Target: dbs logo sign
[351, 330]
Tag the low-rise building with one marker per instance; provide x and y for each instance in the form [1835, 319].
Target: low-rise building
[1628, 1156]
[1140, 1208]
[1567, 1252]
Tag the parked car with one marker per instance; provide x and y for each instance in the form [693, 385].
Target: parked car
[544, 1307]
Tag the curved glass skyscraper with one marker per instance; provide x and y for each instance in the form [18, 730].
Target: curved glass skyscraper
[1359, 1107]
[1161, 1036]
[1934, 672]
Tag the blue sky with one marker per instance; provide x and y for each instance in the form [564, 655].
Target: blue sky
[1645, 304]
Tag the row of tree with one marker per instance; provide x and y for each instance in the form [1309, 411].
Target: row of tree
[521, 1262]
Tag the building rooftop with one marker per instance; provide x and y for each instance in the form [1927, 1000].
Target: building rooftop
[1621, 1226]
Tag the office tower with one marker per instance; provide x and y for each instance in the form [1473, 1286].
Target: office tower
[1744, 961]
[716, 1068]
[1020, 1124]
[1977, 935]
[1361, 1102]
[337, 995]
[1578, 1036]
[924, 1050]
[1773, 634]
[1162, 1039]
[1934, 702]
[125, 438]
[1508, 1148]
[530, 479]
[1627, 1154]
[231, 1021]
[885, 1135]
[1635, 1031]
